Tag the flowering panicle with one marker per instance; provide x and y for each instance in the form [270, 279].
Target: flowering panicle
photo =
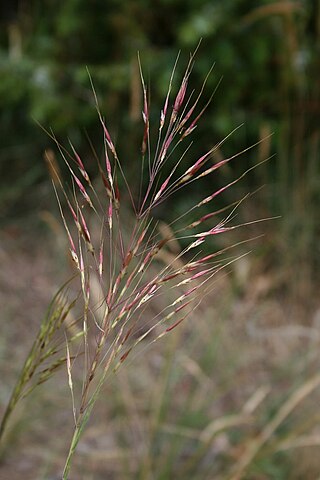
[128, 265]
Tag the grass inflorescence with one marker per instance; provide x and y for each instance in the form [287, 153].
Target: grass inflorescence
[120, 276]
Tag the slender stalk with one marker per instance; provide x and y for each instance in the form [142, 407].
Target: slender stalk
[82, 421]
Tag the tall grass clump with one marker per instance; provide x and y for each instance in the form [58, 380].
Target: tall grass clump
[118, 272]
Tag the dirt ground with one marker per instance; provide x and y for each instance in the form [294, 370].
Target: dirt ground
[264, 342]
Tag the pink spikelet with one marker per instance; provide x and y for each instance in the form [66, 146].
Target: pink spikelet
[80, 164]
[145, 116]
[82, 190]
[100, 266]
[110, 214]
[162, 189]
[108, 138]
[108, 167]
[179, 98]
[163, 112]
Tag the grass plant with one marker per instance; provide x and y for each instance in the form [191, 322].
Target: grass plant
[114, 325]
[120, 275]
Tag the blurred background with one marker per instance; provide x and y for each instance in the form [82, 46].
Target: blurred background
[255, 348]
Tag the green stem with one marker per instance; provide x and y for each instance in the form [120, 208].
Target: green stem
[82, 422]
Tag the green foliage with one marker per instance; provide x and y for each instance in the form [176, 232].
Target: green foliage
[266, 51]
